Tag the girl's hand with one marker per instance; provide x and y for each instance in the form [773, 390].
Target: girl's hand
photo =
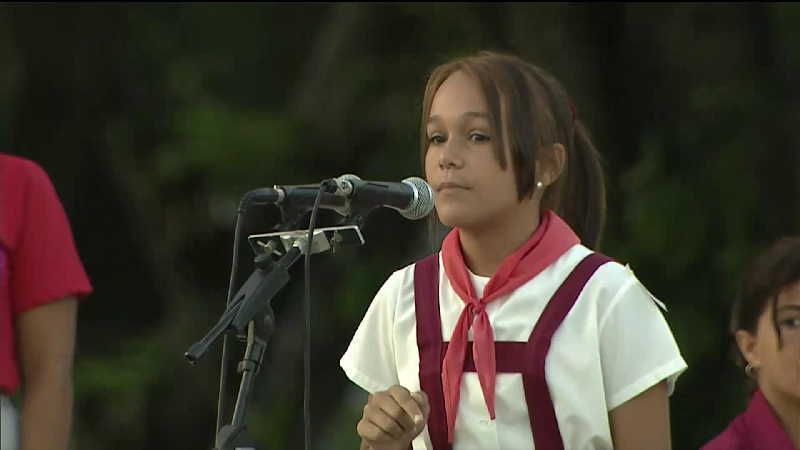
[393, 418]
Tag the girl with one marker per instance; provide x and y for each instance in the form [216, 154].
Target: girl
[515, 335]
[766, 326]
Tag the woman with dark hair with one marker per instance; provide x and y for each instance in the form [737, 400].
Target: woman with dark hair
[517, 334]
[766, 327]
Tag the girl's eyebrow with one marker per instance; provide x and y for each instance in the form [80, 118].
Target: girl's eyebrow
[468, 114]
[475, 114]
[792, 307]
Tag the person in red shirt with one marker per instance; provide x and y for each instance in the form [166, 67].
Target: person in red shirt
[766, 326]
[41, 281]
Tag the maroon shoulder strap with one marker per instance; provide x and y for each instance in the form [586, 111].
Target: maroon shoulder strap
[544, 426]
[429, 342]
[528, 357]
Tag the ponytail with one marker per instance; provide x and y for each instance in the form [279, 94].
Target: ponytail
[579, 196]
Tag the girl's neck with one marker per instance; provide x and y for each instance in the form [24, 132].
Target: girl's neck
[486, 247]
[787, 411]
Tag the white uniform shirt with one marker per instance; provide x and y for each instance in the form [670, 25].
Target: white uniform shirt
[613, 345]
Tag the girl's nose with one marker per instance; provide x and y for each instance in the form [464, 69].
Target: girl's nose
[449, 157]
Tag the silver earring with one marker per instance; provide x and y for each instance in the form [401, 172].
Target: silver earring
[539, 185]
[748, 370]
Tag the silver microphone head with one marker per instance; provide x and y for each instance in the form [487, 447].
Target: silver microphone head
[422, 204]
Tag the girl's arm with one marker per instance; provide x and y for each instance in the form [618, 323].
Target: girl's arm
[643, 421]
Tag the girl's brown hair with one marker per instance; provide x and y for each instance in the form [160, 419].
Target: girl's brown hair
[770, 273]
[531, 111]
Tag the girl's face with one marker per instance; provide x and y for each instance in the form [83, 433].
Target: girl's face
[472, 190]
[778, 369]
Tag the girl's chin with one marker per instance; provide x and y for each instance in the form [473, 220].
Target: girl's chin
[454, 218]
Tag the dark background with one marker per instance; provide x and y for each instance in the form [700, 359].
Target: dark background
[153, 120]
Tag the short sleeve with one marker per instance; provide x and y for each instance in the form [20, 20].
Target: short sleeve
[44, 263]
[370, 359]
[637, 347]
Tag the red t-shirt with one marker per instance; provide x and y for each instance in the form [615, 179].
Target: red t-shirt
[38, 260]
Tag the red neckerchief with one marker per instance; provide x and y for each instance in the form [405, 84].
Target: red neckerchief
[551, 239]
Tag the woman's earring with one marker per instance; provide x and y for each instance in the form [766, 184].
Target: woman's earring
[748, 369]
[539, 185]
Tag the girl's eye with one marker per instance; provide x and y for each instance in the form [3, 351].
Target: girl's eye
[793, 323]
[478, 138]
[436, 139]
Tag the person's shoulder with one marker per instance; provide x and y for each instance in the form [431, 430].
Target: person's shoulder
[402, 278]
[615, 279]
[19, 165]
[18, 171]
[615, 274]
[729, 439]
[22, 181]
[611, 275]
[409, 268]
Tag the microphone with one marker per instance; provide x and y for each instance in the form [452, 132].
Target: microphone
[412, 197]
[348, 194]
[299, 198]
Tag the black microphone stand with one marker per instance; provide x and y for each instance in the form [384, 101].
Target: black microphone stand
[252, 298]
[251, 302]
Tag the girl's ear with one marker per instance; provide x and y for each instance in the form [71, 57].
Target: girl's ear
[551, 164]
[746, 342]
